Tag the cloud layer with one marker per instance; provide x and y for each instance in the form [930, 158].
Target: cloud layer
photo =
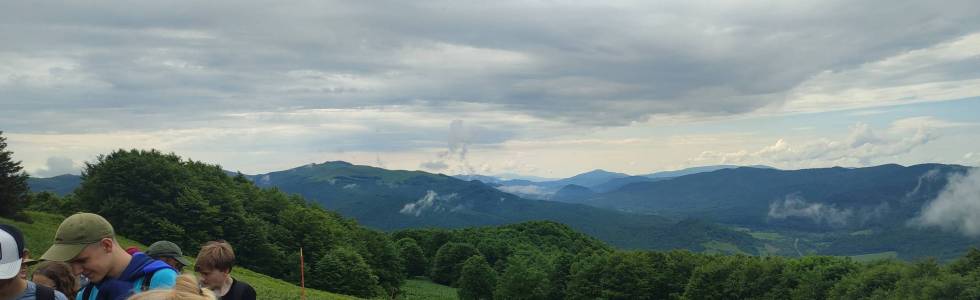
[583, 63]
[385, 78]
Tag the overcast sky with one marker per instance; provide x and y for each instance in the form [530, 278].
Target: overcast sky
[546, 88]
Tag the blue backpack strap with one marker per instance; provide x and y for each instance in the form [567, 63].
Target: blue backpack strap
[87, 291]
[145, 285]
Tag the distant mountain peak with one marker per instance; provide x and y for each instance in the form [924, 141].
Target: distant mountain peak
[599, 172]
[337, 163]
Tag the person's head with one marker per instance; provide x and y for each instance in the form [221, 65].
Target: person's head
[12, 255]
[87, 243]
[186, 288]
[169, 253]
[214, 263]
[56, 275]
[27, 262]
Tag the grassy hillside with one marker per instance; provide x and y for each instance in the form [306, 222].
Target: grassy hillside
[423, 289]
[40, 234]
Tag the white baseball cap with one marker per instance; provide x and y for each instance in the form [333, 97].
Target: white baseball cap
[11, 247]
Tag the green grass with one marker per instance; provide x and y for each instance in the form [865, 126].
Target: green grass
[40, 235]
[770, 236]
[420, 288]
[721, 247]
[875, 256]
[863, 232]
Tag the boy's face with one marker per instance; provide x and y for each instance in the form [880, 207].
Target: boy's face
[212, 278]
[173, 263]
[94, 261]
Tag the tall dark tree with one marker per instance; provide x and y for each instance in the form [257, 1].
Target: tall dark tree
[449, 260]
[13, 183]
[415, 262]
[477, 279]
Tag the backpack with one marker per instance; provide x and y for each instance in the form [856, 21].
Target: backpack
[44, 292]
[87, 290]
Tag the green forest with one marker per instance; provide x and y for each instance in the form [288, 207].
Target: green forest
[149, 196]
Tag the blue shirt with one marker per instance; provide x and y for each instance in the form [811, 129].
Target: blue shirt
[30, 293]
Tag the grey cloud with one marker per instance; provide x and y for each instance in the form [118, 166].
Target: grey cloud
[861, 146]
[57, 166]
[957, 208]
[437, 166]
[589, 63]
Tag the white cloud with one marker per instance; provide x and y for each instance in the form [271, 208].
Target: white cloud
[431, 202]
[795, 206]
[957, 207]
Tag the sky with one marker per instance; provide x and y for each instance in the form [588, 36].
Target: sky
[543, 88]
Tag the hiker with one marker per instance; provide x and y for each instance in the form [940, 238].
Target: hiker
[56, 275]
[28, 262]
[87, 243]
[214, 264]
[12, 255]
[169, 253]
[185, 289]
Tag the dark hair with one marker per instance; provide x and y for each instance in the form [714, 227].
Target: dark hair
[60, 273]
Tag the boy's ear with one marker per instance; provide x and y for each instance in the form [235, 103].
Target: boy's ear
[106, 244]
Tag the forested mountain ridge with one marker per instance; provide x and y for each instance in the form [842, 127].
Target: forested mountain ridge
[392, 199]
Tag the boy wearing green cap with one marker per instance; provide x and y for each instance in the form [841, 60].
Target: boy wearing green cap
[87, 242]
[169, 253]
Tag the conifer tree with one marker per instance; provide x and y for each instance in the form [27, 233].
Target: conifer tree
[13, 183]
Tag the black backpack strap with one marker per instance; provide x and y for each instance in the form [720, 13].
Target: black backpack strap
[87, 294]
[145, 286]
[44, 292]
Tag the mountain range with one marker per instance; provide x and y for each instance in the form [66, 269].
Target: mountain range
[754, 210]
[596, 180]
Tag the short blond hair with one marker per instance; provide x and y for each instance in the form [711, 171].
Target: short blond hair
[215, 255]
[186, 288]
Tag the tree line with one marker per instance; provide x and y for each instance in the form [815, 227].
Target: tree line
[545, 260]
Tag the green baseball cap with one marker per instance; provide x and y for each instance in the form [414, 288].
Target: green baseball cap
[167, 249]
[75, 233]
